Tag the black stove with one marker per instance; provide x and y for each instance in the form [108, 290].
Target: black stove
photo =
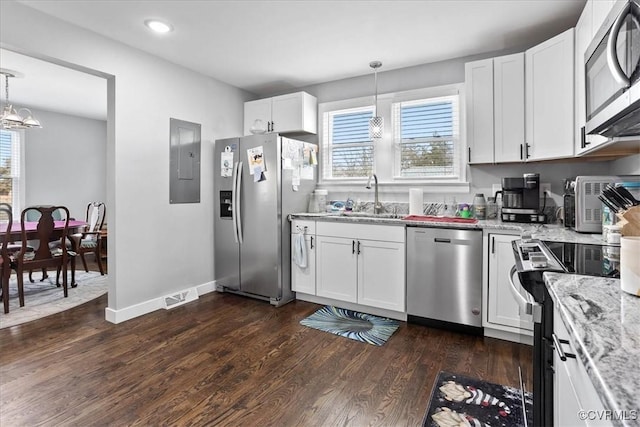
[587, 259]
[533, 257]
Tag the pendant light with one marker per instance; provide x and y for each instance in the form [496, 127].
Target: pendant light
[376, 123]
[12, 119]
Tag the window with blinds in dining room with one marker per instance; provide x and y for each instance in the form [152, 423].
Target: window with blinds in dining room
[9, 167]
[348, 150]
[426, 137]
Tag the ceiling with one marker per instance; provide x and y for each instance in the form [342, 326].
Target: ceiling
[268, 47]
[46, 86]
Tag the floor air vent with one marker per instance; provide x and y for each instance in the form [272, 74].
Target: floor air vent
[179, 298]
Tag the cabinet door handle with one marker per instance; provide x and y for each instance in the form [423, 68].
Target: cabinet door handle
[353, 246]
[557, 343]
[272, 126]
[469, 155]
[526, 150]
[521, 158]
[493, 245]
[311, 242]
[358, 247]
[583, 138]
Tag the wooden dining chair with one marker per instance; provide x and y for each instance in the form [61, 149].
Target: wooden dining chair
[89, 241]
[5, 260]
[34, 216]
[44, 256]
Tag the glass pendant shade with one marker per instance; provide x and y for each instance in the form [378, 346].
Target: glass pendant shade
[12, 119]
[376, 127]
[30, 121]
[376, 123]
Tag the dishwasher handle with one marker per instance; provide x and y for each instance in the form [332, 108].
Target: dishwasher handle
[441, 240]
[526, 303]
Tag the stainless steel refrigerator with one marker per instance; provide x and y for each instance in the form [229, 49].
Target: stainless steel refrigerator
[255, 191]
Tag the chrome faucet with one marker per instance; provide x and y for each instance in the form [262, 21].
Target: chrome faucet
[377, 206]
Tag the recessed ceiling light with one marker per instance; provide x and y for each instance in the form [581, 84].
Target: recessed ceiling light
[158, 26]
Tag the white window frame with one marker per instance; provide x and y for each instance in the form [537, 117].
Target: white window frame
[327, 145]
[458, 160]
[17, 170]
[385, 151]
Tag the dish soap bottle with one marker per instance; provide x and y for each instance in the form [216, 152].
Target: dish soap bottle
[480, 206]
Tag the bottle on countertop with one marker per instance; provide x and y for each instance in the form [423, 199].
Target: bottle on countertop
[348, 205]
[313, 204]
[492, 208]
[480, 206]
[321, 196]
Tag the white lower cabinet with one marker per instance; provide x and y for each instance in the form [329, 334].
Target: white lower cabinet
[502, 309]
[337, 268]
[575, 401]
[361, 263]
[304, 279]
[381, 278]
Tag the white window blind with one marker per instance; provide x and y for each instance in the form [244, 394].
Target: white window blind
[9, 167]
[348, 151]
[427, 137]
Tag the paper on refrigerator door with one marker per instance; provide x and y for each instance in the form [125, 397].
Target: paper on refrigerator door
[306, 172]
[226, 163]
[256, 163]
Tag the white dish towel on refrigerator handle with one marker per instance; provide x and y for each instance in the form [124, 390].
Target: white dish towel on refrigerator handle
[300, 250]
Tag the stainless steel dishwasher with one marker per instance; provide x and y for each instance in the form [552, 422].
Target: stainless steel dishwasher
[444, 278]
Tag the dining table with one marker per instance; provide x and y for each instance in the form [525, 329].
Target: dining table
[31, 228]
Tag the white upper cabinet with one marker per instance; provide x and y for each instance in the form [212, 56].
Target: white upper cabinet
[295, 112]
[257, 110]
[494, 97]
[508, 89]
[593, 16]
[479, 107]
[520, 107]
[549, 95]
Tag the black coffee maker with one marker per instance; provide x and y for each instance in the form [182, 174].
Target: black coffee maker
[521, 199]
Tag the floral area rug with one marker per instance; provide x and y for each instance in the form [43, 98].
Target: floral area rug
[459, 400]
[352, 324]
[45, 298]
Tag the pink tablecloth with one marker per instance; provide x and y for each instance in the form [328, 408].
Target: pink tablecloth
[16, 227]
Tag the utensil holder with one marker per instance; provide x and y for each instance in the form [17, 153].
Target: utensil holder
[630, 221]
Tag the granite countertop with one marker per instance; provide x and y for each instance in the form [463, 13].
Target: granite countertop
[604, 327]
[553, 232]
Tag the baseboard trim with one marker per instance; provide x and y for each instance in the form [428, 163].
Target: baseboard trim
[146, 307]
[521, 338]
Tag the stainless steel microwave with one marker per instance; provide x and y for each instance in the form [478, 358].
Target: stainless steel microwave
[612, 74]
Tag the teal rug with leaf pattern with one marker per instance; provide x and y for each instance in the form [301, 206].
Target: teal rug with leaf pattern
[352, 324]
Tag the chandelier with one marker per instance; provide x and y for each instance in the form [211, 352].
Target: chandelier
[376, 123]
[12, 119]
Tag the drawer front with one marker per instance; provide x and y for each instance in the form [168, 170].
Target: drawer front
[385, 233]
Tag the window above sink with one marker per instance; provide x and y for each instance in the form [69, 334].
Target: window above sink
[421, 143]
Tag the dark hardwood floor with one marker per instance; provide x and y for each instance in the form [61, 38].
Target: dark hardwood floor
[233, 361]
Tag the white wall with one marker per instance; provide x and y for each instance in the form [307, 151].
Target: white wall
[65, 162]
[629, 165]
[154, 248]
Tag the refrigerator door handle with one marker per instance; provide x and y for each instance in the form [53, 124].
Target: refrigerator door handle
[238, 203]
[234, 206]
